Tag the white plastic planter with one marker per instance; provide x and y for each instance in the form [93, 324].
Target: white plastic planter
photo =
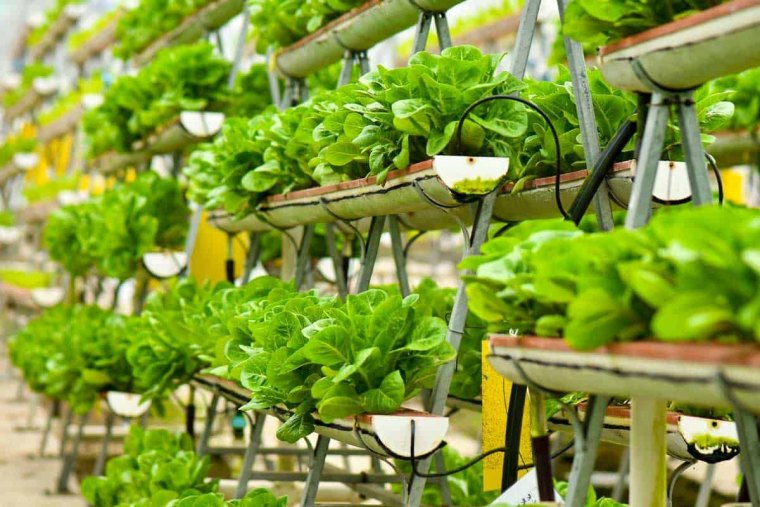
[48, 297]
[10, 235]
[688, 52]
[359, 30]
[192, 127]
[194, 27]
[683, 433]
[127, 405]
[388, 435]
[357, 199]
[684, 372]
[163, 265]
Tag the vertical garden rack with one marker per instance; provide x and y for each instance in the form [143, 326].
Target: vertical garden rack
[653, 62]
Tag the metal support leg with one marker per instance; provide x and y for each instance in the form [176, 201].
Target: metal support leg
[701, 193]
[240, 45]
[440, 466]
[370, 253]
[442, 30]
[640, 207]
[649, 469]
[440, 392]
[524, 39]
[303, 255]
[315, 472]
[71, 458]
[250, 455]
[398, 256]
[100, 464]
[48, 428]
[586, 444]
[337, 261]
[422, 31]
[749, 456]
[705, 489]
[346, 68]
[576, 62]
[254, 252]
[208, 426]
[622, 482]
[67, 420]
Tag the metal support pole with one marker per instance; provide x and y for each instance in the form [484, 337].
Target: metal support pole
[254, 252]
[250, 455]
[192, 236]
[443, 484]
[70, 459]
[586, 444]
[701, 194]
[576, 61]
[337, 261]
[746, 426]
[100, 464]
[302, 262]
[274, 84]
[399, 257]
[437, 402]
[48, 427]
[240, 46]
[421, 31]
[524, 39]
[309, 496]
[705, 488]
[649, 470]
[442, 30]
[65, 432]
[622, 481]
[370, 252]
[640, 206]
[208, 427]
[346, 68]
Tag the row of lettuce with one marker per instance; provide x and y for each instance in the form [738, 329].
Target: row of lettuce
[690, 276]
[276, 24]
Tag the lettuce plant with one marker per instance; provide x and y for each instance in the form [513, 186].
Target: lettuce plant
[157, 468]
[75, 353]
[150, 19]
[112, 232]
[744, 90]
[659, 282]
[607, 21]
[28, 75]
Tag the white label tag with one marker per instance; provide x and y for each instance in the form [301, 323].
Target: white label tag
[523, 492]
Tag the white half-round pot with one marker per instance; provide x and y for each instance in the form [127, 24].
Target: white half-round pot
[127, 404]
[48, 297]
[165, 264]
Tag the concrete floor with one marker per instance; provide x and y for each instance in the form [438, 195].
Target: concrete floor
[26, 479]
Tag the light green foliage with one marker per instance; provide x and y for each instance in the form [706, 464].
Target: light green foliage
[50, 189]
[281, 22]
[140, 26]
[690, 275]
[75, 353]
[28, 75]
[113, 232]
[25, 279]
[258, 497]
[80, 37]
[744, 91]
[157, 468]
[185, 78]
[91, 85]
[7, 218]
[13, 146]
[51, 15]
[393, 118]
[602, 22]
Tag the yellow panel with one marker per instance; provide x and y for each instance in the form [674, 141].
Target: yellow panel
[734, 182]
[208, 260]
[496, 390]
